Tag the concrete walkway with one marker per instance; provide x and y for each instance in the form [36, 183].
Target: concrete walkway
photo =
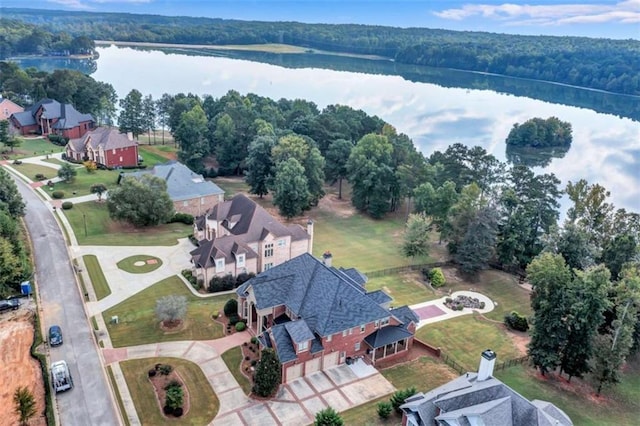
[297, 402]
[435, 310]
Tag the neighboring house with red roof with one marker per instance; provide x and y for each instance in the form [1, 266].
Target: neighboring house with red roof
[238, 236]
[316, 317]
[51, 117]
[7, 108]
[106, 147]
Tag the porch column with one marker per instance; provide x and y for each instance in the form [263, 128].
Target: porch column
[384, 352]
[395, 348]
[249, 313]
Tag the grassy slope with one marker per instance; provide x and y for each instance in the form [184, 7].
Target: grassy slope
[98, 280]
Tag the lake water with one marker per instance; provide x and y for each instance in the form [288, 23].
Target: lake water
[434, 107]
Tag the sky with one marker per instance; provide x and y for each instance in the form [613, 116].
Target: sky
[618, 19]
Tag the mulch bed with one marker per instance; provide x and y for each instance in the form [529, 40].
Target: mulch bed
[159, 382]
[254, 355]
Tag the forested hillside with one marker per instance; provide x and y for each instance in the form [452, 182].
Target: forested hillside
[602, 64]
[21, 38]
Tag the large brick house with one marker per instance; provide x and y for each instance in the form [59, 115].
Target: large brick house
[188, 190]
[479, 399]
[51, 117]
[316, 317]
[238, 236]
[106, 147]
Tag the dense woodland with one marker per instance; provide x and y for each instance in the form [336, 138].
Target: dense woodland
[540, 133]
[602, 64]
[21, 38]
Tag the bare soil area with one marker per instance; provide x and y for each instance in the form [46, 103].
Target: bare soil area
[17, 367]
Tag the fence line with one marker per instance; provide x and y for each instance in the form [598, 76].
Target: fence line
[452, 363]
[512, 362]
[501, 366]
[407, 268]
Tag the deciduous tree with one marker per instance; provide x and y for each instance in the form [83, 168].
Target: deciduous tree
[99, 189]
[131, 117]
[336, 162]
[141, 202]
[171, 309]
[191, 137]
[416, 236]
[290, 193]
[67, 172]
[260, 167]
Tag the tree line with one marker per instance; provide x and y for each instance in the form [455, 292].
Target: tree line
[15, 265]
[601, 64]
[21, 38]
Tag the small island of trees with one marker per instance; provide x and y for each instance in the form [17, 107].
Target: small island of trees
[541, 133]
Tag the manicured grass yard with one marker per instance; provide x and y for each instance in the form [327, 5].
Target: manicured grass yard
[128, 264]
[99, 282]
[423, 373]
[406, 289]
[231, 186]
[33, 147]
[101, 230]
[156, 154]
[31, 170]
[81, 185]
[233, 358]
[464, 339]
[54, 161]
[139, 325]
[204, 404]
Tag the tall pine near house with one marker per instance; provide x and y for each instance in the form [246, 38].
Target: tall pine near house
[268, 374]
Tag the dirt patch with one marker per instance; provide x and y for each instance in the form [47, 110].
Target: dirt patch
[520, 340]
[17, 368]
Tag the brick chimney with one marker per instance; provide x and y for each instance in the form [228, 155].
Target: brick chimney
[326, 258]
[487, 360]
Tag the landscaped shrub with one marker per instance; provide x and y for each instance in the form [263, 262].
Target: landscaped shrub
[178, 412]
[167, 410]
[17, 162]
[67, 205]
[40, 176]
[228, 282]
[448, 300]
[515, 321]
[253, 362]
[397, 399]
[185, 218]
[231, 307]
[437, 277]
[328, 417]
[152, 372]
[234, 319]
[165, 369]
[482, 305]
[243, 278]
[173, 384]
[254, 340]
[384, 409]
[57, 194]
[268, 374]
[174, 398]
[58, 140]
[240, 326]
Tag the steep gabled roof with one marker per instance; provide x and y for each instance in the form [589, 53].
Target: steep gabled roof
[325, 298]
[68, 117]
[227, 248]
[101, 138]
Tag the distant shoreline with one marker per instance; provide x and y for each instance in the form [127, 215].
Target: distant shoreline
[269, 48]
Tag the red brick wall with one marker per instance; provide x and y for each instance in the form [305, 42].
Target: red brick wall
[26, 130]
[129, 157]
[348, 342]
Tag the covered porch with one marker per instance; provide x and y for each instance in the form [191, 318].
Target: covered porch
[386, 342]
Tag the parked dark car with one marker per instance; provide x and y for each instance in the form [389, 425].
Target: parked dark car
[55, 335]
[11, 304]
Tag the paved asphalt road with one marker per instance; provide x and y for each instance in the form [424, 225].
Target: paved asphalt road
[89, 402]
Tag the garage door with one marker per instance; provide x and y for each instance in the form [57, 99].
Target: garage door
[294, 372]
[330, 360]
[312, 366]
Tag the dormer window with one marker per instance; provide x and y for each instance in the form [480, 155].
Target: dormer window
[384, 322]
[303, 346]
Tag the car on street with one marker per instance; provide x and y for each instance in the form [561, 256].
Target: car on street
[55, 335]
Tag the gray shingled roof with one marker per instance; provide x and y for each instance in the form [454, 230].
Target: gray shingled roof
[104, 138]
[324, 297]
[24, 118]
[466, 396]
[405, 314]
[299, 331]
[284, 347]
[225, 247]
[68, 117]
[387, 335]
[355, 275]
[182, 183]
[380, 297]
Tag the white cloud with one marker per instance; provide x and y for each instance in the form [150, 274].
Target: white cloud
[626, 12]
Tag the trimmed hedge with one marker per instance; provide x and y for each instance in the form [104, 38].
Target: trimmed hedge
[515, 321]
[67, 205]
[185, 218]
[57, 194]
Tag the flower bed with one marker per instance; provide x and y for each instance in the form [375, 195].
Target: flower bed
[461, 301]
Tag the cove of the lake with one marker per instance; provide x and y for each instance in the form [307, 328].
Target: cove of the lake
[434, 107]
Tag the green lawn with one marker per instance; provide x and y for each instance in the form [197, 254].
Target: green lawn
[619, 405]
[81, 185]
[406, 289]
[92, 226]
[361, 242]
[99, 282]
[156, 154]
[231, 186]
[33, 147]
[464, 339]
[31, 170]
[203, 402]
[112, 379]
[138, 324]
[423, 373]
[128, 264]
[55, 161]
[233, 358]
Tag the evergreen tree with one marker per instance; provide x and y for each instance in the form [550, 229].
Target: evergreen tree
[260, 167]
[477, 246]
[191, 137]
[336, 160]
[132, 118]
[25, 404]
[268, 374]
[328, 417]
[416, 236]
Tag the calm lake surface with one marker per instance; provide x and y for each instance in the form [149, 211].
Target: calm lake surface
[434, 107]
